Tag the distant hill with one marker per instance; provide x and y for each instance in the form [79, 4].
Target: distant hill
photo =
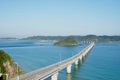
[69, 41]
[8, 66]
[44, 38]
[78, 38]
[8, 38]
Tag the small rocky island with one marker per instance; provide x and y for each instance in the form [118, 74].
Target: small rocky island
[69, 41]
[8, 66]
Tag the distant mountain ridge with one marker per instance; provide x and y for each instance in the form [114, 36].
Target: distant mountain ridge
[78, 38]
[8, 38]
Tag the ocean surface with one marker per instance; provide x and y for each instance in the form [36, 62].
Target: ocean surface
[102, 63]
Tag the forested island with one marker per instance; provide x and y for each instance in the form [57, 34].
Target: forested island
[69, 41]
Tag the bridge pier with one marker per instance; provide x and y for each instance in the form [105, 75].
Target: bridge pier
[84, 55]
[69, 69]
[81, 59]
[76, 62]
[54, 76]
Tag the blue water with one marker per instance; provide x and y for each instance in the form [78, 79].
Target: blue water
[103, 62]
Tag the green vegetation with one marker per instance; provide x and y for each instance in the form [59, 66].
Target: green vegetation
[3, 58]
[8, 66]
[69, 41]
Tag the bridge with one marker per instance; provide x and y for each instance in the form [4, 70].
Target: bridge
[53, 70]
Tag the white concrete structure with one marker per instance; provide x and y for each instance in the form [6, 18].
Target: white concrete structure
[53, 69]
[54, 76]
[69, 68]
[76, 62]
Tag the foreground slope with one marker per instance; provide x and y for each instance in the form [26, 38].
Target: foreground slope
[8, 66]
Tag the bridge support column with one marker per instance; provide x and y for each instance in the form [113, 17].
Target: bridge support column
[87, 52]
[69, 69]
[76, 62]
[84, 55]
[80, 59]
[54, 76]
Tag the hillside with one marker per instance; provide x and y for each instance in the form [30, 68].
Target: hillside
[8, 66]
[69, 41]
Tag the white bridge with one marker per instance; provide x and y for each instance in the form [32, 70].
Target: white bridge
[53, 70]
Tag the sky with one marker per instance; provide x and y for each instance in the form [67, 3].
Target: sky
[23, 18]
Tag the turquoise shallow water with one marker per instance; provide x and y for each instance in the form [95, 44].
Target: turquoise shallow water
[103, 62]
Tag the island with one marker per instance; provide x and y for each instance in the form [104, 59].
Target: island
[8, 68]
[69, 41]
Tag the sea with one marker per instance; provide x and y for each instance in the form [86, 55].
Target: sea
[102, 63]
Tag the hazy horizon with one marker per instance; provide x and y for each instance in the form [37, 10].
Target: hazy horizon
[54, 36]
[24, 18]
